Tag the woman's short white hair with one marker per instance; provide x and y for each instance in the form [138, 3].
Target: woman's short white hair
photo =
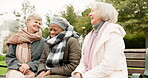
[35, 16]
[106, 11]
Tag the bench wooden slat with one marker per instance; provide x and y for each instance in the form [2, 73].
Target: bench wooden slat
[135, 59]
[3, 66]
[136, 63]
[134, 50]
[135, 56]
[131, 71]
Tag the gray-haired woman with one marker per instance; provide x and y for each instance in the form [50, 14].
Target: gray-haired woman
[25, 49]
[65, 50]
[103, 48]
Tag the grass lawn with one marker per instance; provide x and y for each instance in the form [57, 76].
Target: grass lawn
[2, 69]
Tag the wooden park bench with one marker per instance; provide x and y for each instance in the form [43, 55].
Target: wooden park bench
[136, 62]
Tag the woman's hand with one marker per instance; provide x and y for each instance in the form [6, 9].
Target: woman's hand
[78, 75]
[41, 75]
[47, 73]
[24, 67]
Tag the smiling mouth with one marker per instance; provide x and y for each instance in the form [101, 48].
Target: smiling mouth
[91, 18]
[37, 27]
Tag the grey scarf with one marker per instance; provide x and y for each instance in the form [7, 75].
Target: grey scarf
[57, 45]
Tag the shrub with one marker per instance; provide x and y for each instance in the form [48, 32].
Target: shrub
[2, 57]
[134, 41]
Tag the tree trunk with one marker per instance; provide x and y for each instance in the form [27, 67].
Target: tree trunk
[146, 41]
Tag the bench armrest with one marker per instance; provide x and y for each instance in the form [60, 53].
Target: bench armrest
[135, 75]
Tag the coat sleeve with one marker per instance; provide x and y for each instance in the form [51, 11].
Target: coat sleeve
[81, 67]
[73, 59]
[11, 60]
[114, 48]
[42, 60]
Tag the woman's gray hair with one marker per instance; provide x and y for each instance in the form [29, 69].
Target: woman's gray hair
[35, 16]
[106, 11]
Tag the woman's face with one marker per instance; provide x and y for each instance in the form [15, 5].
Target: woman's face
[54, 30]
[94, 16]
[33, 25]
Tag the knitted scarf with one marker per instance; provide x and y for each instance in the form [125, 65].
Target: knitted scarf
[22, 39]
[90, 46]
[57, 45]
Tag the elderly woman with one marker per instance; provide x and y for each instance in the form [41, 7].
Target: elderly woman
[104, 46]
[65, 50]
[25, 49]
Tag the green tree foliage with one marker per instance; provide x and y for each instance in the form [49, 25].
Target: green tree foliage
[133, 15]
[45, 30]
[81, 24]
[78, 22]
[84, 24]
[70, 15]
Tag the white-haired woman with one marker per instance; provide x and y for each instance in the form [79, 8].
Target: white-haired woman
[64, 50]
[25, 49]
[103, 48]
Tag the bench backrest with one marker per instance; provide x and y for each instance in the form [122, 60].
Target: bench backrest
[135, 60]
